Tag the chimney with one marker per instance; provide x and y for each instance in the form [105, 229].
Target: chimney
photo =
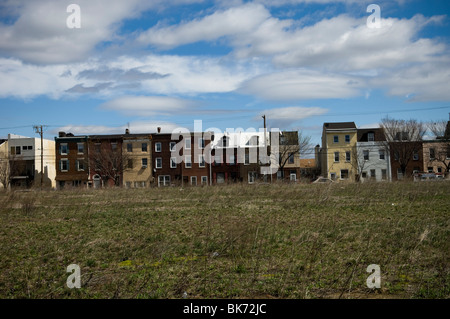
[61, 134]
[127, 131]
[159, 130]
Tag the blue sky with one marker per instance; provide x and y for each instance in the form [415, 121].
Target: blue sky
[148, 64]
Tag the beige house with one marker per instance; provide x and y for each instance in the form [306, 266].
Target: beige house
[137, 158]
[436, 156]
[4, 163]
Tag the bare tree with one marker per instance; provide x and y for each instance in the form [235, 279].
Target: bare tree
[9, 167]
[404, 139]
[291, 144]
[441, 132]
[108, 161]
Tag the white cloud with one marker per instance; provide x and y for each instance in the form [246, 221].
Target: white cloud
[149, 105]
[302, 85]
[233, 21]
[285, 116]
[134, 127]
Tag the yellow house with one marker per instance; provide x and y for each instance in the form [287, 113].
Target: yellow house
[137, 159]
[338, 154]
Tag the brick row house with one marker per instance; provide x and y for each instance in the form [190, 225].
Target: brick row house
[161, 159]
[352, 154]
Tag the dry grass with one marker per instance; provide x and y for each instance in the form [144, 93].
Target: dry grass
[238, 241]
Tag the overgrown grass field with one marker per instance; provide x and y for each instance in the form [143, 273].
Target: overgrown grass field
[236, 241]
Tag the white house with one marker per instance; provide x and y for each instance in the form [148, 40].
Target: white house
[373, 156]
[25, 155]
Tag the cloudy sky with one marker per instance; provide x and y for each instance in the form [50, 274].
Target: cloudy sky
[144, 64]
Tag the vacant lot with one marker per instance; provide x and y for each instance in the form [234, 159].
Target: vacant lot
[238, 241]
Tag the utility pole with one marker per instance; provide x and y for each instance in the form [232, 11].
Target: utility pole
[39, 131]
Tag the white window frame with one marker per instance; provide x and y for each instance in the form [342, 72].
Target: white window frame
[163, 180]
[201, 161]
[338, 155]
[192, 180]
[366, 155]
[173, 162]
[204, 180]
[61, 165]
[348, 174]
[61, 148]
[78, 165]
[78, 148]
[172, 146]
[186, 161]
[156, 147]
[370, 137]
[382, 155]
[187, 143]
[156, 162]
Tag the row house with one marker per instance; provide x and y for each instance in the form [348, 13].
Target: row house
[27, 161]
[338, 156]
[180, 159]
[373, 157]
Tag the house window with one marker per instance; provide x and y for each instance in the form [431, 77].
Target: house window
[252, 177]
[158, 162]
[416, 169]
[416, 156]
[193, 180]
[128, 184]
[430, 169]
[97, 147]
[172, 146]
[173, 162]
[80, 148]
[347, 156]
[384, 174]
[130, 163]
[129, 147]
[336, 157]
[372, 173]
[187, 143]
[187, 161]
[64, 165]
[144, 162]
[15, 150]
[232, 160]
[439, 169]
[64, 149]
[144, 147]
[344, 173]
[333, 176]
[204, 180]
[158, 147]
[347, 138]
[27, 148]
[364, 175]
[114, 147]
[336, 139]
[201, 143]
[247, 159]
[80, 165]
[201, 161]
[164, 180]
[432, 154]
[291, 158]
[370, 137]
[366, 155]
[293, 177]
[382, 154]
